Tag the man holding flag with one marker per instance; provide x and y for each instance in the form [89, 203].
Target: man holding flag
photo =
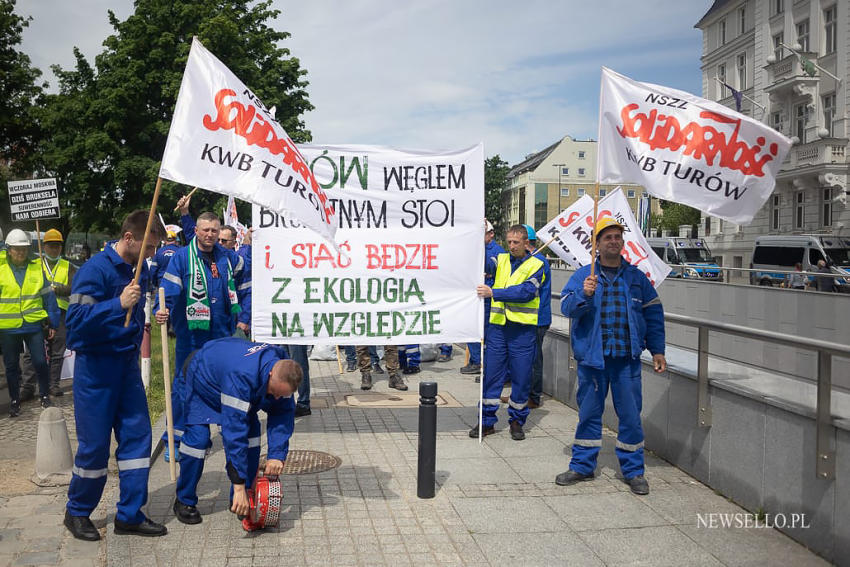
[609, 329]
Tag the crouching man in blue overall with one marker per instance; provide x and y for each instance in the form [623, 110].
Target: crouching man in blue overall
[227, 381]
[108, 391]
[609, 329]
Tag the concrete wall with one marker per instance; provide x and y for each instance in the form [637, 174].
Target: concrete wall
[756, 453]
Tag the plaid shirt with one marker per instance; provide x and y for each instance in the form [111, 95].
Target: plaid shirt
[614, 318]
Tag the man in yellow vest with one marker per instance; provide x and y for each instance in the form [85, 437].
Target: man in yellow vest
[512, 338]
[26, 303]
[60, 272]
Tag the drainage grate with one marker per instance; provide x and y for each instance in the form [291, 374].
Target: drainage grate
[307, 462]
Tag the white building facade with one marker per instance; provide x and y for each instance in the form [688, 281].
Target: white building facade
[748, 45]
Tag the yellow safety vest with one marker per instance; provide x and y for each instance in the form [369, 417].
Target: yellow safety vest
[524, 313]
[60, 275]
[21, 304]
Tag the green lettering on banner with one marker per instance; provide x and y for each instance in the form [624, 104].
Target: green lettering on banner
[285, 326]
[413, 289]
[411, 330]
[433, 321]
[309, 290]
[341, 317]
[330, 294]
[322, 320]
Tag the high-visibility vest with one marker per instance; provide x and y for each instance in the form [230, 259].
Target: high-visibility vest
[19, 304]
[524, 313]
[60, 275]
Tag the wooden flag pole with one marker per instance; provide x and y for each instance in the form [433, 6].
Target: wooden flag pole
[141, 261]
[338, 359]
[192, 192]
[481, 398]
[166, 378]
[593, 232]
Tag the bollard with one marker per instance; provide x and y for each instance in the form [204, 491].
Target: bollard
[53, 459]
[426, 472]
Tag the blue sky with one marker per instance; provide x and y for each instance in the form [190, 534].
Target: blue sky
[442, 74]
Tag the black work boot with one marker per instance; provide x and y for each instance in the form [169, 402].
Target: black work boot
[397, 383]
[365, 381]
[81, 527]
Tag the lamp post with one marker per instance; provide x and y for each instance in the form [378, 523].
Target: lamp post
[560, 167]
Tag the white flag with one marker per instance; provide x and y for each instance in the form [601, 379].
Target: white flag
[223, 139]
[686, 149]
[574, 230]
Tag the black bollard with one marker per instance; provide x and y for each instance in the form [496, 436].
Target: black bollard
[426, 473]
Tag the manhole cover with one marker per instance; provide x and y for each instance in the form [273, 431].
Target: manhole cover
[307, 462]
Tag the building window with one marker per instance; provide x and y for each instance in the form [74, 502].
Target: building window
[800, 123]
[829, 18]
[721, 33]
[721, 74]
[581, 155]
[708, 226]
[826, 207]
[580, 192]
[776, 121]
[803, 35]
[581, 171]
[603, 192]
[778, 39]
[799, 209]
[565, 191]
[774, 212]
[719, 226]
[565, 171]
[829, 113]
[742, 71]
[630, 193]
[742, 19]
[777, 7]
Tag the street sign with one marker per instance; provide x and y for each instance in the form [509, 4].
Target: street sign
[34, 199]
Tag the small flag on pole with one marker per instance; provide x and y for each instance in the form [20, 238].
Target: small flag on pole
[737, 95]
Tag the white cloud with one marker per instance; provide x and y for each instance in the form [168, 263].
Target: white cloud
[443, 73]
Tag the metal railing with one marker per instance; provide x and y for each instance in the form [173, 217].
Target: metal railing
[825, 445]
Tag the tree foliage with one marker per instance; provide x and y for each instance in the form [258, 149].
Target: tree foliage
[106, 128]
[19, 90]
[495, 171]
[674, 215]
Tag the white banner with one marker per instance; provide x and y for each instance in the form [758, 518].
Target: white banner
[223, 139]
[411, 252]
[574, 226]
[686, 149]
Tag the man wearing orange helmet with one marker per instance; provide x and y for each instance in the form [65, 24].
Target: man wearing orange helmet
[609, 329]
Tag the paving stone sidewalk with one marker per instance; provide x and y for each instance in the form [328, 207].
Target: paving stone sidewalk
[496, 503]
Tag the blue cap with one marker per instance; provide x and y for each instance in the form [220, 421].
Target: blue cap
[531, 234]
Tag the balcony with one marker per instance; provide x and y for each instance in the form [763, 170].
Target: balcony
[818, 152]
[787, 77]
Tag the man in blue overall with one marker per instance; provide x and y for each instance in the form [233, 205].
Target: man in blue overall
[207, 295]
[227, 382]
[609, 329]
[108, 391]
[512, 337]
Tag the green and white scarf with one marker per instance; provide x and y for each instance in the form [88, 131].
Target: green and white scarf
[198, 311]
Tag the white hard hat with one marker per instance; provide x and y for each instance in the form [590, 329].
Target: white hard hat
[17, 237]
[488, 227]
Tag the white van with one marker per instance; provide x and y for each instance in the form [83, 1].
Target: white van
[688, 257]
[772, 254]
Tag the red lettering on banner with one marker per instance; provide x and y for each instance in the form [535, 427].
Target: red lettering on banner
[256, 131]
[401, 256]
[703, 142]
[311, 255]
[565, 222]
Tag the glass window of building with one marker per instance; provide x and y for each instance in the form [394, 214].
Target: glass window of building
[774, 212]
[778, 39]
[603, 192]
[630, 193]
[777, 7]
[776, 121]
[800, 122]
[565, 191]
[803, 34]
[799, 209]
[826, 209]
[581, 171]
[829, 18]
[565, 171]
[580, 192]
[829, 113]
[581, 155]
[742, 71]
[721, 74]
[742, 19]
[721, 32]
